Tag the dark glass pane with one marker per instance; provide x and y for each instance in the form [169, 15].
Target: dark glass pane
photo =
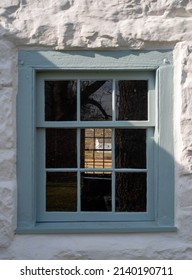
[96, 100]
[131, 100]
[60, 100]
[96, 148]
[131, 192]
[61, 148]
[61, 192]
[130, 148]
[96, 192]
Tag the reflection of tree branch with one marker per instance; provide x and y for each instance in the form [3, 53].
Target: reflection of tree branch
[98, 105]
[90, 90]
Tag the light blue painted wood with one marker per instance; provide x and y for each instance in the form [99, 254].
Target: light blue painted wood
[95, 59]
[165, 148]
[72, 124]
[40, 172]
[30, 111]
[92, 217]
[96, 227]
[25, 149]
[132, 170]
[150, 173]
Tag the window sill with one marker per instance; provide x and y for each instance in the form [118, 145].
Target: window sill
[97, 227]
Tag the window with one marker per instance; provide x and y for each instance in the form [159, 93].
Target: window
[95, 142]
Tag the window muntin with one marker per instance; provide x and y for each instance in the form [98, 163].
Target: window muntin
[103, 151]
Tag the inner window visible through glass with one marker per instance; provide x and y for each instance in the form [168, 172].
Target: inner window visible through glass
[96, 148]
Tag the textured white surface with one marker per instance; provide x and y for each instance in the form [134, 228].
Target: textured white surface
[98, 24]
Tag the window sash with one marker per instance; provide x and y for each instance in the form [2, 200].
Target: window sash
[41, 125]
[62, 76]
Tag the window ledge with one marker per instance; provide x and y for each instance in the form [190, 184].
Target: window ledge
[101, 227]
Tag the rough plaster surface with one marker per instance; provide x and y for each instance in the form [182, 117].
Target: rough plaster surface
[95, 24]
[98, 24]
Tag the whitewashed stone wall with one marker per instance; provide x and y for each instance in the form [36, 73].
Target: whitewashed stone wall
[98, 24]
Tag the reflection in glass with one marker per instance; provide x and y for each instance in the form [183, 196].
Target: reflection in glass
[61, 148]
[96, 100]
[61, 192]
[96, 148]
[131, 194]
[60, 101]
[96, 192]
[130, 148]
[131, 100]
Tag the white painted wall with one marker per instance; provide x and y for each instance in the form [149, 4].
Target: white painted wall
[98, 24]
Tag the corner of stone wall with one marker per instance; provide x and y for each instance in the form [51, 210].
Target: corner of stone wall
[8, 91]
[183, 137]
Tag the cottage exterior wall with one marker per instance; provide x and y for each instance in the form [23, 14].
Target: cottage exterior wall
[101, 25]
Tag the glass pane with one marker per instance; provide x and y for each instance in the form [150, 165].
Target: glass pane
[130, 148]
[98, 159]
[96, 148]
[60, 100]
[131, 100]
[61, 148]
[96, 192]
[61, 192]
[131, 193]
[89, 132]
[96, 100]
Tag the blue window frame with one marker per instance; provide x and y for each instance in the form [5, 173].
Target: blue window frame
[95, 142]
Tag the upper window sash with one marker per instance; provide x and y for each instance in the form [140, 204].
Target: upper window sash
[42, 77]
